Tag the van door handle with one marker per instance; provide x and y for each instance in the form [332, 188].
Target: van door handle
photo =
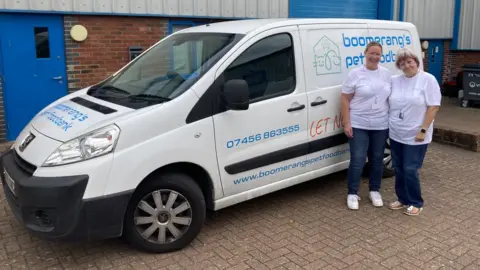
[316, 103]
[57, 78]
[301, 107]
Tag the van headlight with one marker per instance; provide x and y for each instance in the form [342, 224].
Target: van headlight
[94, 144]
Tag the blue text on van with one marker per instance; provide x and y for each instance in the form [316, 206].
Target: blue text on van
[362, 41]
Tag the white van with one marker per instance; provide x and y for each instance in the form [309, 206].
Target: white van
[208, 117]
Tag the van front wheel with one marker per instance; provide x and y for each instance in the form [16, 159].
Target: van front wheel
[166, 214]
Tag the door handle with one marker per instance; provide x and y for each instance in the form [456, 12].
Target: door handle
[57, 78]
[301, 107]
[316, 103]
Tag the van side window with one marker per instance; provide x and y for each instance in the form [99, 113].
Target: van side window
[268, 67]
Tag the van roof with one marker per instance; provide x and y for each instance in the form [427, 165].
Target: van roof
[247, 25]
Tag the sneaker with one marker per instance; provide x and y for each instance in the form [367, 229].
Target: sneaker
[376, 198]
[352, 201]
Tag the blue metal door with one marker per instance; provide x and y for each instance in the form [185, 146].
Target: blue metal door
[34, 69]
[435, 59]
[360, 9]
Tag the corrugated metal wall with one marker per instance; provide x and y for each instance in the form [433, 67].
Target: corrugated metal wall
[469, 28]
[200, 8]
[433, 18]
[396, 8]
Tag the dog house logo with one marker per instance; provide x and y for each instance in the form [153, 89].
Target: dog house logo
[327, 57]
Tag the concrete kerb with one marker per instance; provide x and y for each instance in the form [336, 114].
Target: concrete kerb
[462, 139]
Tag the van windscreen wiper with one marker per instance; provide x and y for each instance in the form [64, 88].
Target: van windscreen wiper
[113, 89]
[148, 97]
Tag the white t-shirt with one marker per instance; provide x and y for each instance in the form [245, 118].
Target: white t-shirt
[409, 100]
[369, 105]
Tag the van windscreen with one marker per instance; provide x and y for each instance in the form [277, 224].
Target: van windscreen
[166, 70]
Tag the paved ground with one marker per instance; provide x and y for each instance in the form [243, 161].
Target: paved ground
[304, 227]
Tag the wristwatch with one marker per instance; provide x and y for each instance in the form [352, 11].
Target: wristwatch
[423, 130]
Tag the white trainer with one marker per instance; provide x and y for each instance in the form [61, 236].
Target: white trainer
[352, 201]
[376, 198]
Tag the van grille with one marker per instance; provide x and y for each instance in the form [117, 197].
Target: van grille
[23, 164]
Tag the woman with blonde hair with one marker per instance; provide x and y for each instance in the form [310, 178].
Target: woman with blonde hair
[414, 102]
[364, 108]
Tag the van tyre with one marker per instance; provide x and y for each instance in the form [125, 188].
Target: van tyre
[165, 214]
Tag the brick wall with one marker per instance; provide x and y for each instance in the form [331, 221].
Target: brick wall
[454, 61]
[106, 48]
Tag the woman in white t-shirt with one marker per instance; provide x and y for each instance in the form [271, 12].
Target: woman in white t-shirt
[365, 118]
[414, 102]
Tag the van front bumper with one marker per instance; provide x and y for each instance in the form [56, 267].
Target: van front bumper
[54, 207]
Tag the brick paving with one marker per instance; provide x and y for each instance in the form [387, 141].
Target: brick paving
[304, 227]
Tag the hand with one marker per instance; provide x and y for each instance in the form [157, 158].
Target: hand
[420, 137]
[348, 130]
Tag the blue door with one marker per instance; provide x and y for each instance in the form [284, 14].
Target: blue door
[435, 59]
[360, 9]
[33, 66]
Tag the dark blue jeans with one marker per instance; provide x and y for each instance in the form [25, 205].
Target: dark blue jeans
[365, 143]
[407, 160]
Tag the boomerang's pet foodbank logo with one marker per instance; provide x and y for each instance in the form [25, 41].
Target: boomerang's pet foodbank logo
[327, 57]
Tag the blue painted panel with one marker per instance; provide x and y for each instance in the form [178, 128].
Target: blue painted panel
[456, 24]
[31, 81]
[360, 9]
[401, 11]
[386, 9]
[435, 59]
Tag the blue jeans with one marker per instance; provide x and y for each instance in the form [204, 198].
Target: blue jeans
[407, 160]
[365, 143]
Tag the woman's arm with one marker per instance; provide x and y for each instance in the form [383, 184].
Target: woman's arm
[345, 114]
[433, 99]
[345, 108]
[348, 90]
[430, 116]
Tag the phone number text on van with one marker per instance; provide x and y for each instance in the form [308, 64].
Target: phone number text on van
[262, 136]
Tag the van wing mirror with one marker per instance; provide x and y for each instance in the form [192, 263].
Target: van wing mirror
[236, 95]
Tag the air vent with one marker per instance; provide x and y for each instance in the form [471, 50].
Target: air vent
[92, 105]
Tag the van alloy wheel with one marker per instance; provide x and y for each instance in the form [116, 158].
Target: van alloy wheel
[165, 213]
[163, 216]
[388, 170]
[387, 160]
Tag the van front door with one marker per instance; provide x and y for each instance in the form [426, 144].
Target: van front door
[268, 142]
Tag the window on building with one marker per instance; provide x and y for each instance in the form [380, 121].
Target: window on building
[267, 66]
[42, 44]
